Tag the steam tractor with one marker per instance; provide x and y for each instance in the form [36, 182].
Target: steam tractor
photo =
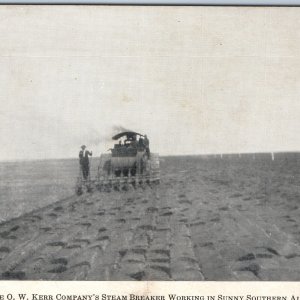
[128, 162]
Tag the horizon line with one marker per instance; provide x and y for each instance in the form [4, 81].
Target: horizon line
[164, 155]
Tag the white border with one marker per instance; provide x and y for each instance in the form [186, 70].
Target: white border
[162, 2]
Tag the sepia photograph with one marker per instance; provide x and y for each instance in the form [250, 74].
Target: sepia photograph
[149, 143]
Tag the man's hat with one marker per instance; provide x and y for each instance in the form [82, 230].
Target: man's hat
[83, 146]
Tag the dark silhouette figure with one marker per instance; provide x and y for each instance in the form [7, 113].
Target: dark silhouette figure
[146, 143]
[141, 145]
[84, 161]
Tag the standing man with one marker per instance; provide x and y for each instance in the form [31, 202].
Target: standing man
[141, 144]
[84, 161]
[146, 143]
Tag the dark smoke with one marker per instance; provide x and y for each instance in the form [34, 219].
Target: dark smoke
[119, 128]
[95, 137]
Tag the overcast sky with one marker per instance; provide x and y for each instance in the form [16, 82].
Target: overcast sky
[195, 79]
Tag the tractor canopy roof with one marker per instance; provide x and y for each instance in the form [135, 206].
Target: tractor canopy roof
[128, 134]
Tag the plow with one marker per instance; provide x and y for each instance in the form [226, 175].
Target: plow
[129, 163]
